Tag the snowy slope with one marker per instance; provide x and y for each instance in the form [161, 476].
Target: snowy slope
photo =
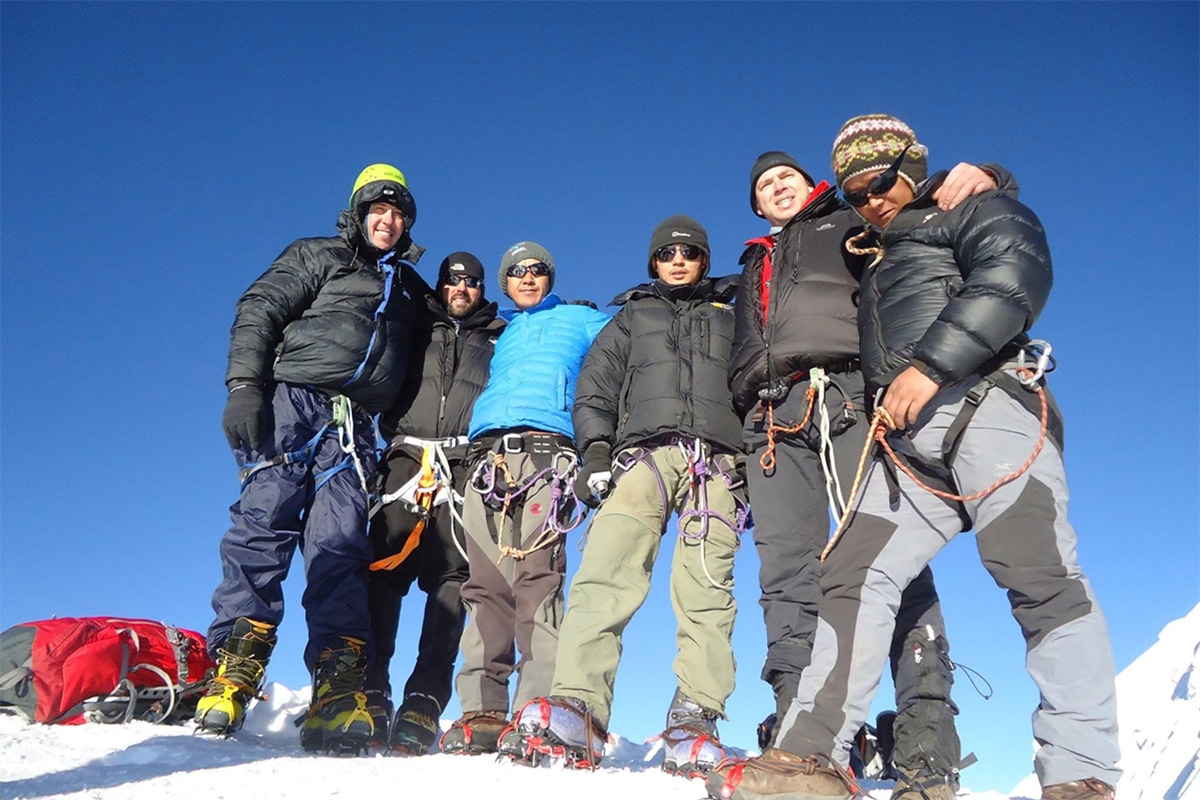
[1160, 726]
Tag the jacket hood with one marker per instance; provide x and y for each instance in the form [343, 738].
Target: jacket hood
[719, 290]
[351, 230]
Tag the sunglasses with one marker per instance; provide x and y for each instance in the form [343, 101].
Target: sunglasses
[690, 252]
[879, 186]
[455, 280]
[539, 270]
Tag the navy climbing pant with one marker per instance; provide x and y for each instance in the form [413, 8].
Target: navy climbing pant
[318, 506]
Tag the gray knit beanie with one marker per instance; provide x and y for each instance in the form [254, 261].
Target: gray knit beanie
[519, 252]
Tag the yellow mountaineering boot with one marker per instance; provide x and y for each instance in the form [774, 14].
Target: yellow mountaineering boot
[240, 673]
[338, 720]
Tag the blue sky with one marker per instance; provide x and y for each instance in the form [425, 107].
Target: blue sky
[155, 157]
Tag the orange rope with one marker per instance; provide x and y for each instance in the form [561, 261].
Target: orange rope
[767, 461]
[882, 422]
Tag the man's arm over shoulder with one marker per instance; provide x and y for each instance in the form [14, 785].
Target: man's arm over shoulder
[600, 383]
[1007, 275]
[279, 296]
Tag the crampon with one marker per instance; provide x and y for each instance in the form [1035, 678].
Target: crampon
[551, 729]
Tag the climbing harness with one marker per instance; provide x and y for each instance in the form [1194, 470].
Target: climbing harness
[702, 467]
[340, 425]
[560, 475]
[819, 381]
[432, 486]
[882, 422]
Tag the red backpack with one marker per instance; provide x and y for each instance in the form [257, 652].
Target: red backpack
[104, 670]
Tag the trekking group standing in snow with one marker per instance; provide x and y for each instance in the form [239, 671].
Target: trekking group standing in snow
[876, 365]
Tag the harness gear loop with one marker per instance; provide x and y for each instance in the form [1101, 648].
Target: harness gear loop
[882, 422]
[767, 460]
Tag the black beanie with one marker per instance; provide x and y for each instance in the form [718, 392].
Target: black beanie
[460, 263]
[770, 160]
[679, 229]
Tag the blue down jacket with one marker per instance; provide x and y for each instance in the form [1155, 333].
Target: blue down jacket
[537, 359]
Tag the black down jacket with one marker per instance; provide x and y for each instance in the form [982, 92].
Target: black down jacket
[811, 316]
[954, 288]
[660, 367]
[448, 368]
[317, 317]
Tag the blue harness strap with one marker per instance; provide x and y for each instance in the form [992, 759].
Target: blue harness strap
[303, 455]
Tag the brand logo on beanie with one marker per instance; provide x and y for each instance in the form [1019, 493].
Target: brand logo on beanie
[458, 268]
[681, 233]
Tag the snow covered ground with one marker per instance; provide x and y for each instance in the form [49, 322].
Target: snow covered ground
[1159, 698]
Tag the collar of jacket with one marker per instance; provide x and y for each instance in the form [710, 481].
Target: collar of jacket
[548, 302]
[350, 229]
[719, 290]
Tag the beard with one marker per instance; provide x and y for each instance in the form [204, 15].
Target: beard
[461, 307]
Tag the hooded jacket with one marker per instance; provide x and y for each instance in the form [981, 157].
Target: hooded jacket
[954, 289]
[328, 313]
[533, 372]
[661, 367]
[448, 369]
[810, 316]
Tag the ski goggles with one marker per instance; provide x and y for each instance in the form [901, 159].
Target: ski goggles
[539, 270]
[879, 186]
[667, 253]
[471, 282]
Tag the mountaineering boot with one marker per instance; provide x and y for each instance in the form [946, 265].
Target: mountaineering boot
[1083, 789]
[415, 728]
[555, 727]
[690, 738]
[784, 686]
[924, 785]
[780, 775]
[475, 733]
[239, 679]
[338, 720]
[379, 706]
[765, 733]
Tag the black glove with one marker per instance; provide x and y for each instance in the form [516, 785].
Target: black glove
[594, 480]
[242, 419]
